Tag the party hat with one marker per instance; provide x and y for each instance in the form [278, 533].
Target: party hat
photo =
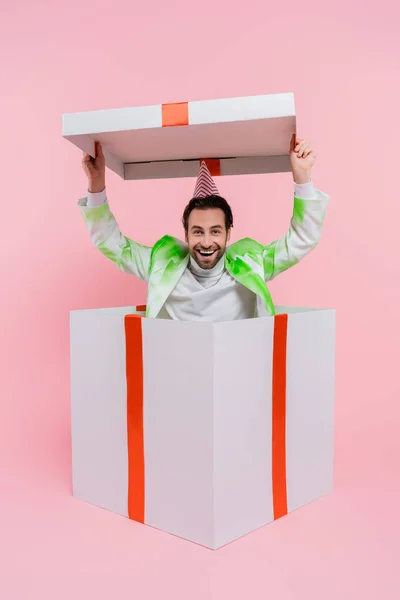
[205, 185]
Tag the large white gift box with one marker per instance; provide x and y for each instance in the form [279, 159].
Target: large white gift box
[207, 431]
[235, 136]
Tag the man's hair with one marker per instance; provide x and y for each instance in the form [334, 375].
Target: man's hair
[213, 201]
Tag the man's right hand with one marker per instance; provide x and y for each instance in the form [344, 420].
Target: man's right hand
[95, 169]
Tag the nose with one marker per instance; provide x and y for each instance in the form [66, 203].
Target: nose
[206, 242]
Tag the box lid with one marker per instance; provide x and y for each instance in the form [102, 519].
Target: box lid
[246, 135]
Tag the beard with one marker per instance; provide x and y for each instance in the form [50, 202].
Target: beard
[207, 262]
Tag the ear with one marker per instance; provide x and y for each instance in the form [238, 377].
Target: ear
[228, 235]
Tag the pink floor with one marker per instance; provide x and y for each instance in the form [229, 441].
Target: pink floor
[345, 545]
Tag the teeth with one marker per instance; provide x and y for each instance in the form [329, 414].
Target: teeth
[207, 253]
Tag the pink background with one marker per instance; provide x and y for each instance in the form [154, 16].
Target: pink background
[343, 65]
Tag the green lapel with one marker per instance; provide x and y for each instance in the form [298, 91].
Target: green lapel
[169, 259]
[244, 261]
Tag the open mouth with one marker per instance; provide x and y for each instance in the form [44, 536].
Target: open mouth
[206, 254]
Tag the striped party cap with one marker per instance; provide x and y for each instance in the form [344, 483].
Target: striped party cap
[205, 185]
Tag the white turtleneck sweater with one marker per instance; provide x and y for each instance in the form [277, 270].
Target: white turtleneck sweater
[209, 294]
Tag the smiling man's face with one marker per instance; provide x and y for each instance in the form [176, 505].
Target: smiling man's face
[207, 236]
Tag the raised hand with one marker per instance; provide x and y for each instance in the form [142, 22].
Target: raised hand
[302, 159]
[95, 169]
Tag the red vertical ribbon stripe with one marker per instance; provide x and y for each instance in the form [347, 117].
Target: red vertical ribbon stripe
[279, 416]
[134, 379]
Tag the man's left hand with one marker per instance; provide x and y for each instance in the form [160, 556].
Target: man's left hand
[302, 159]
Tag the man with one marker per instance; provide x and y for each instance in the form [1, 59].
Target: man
[204, 279]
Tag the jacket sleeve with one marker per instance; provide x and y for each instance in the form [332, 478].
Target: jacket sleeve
[129, 256]
[302, 237]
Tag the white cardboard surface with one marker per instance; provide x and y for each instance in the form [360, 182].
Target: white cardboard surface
[178, 428]
[242, 427]
[207, 418]
[249, 135]
[309, 406]
[98, 408]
